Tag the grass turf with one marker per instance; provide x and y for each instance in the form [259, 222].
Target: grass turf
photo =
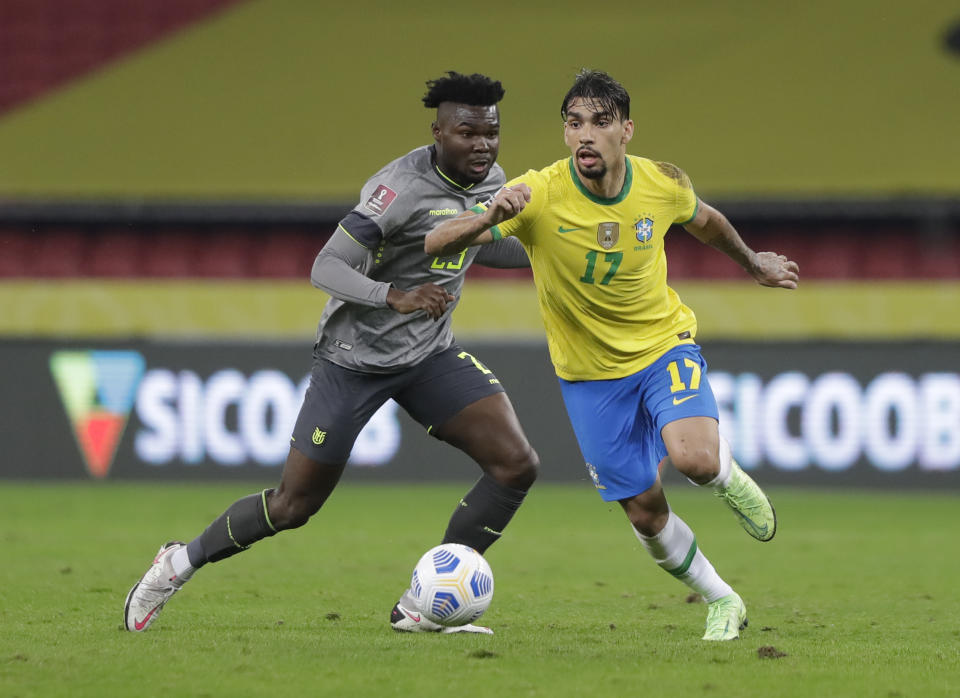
[857, 592]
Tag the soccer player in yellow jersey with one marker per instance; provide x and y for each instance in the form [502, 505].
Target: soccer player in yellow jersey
[632, 378]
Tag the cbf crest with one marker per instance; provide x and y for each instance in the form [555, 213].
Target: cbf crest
[644, 227]
[608, 234]
[591, 468]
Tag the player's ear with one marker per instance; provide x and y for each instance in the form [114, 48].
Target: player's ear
[435, 128]
[627, 132]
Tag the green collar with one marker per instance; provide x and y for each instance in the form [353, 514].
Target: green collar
[624, 190]
[450, 181]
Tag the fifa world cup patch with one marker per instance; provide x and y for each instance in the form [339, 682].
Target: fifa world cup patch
[380, 200]
[608, 234]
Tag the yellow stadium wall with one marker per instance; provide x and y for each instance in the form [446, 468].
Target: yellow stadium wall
[489, 309]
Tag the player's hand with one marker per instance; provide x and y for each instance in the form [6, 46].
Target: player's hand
[507, 203]
[772, 269]
[430, 298]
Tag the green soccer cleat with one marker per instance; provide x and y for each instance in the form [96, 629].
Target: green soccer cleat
[750, 504]
[726, 617]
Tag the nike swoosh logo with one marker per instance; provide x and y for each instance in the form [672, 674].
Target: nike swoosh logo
[139, 624]
[561, 229]
[678, 400]
[762, 530]
[414, 618]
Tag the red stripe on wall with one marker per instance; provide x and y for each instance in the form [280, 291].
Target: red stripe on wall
[46, 43]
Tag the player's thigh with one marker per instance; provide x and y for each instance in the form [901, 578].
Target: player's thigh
[677, 394]
[616, 435]
[489, 432]
[675, 386]
[337, 405]
[445, 384]
[692, 442]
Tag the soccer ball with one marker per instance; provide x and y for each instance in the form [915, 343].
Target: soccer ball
[453, 584]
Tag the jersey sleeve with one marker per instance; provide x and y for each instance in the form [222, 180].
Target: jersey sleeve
[507, 253]
[521, 224]
[337, 270]
[385, 205]
[684, 195]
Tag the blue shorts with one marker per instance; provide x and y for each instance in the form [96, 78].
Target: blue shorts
[618, 422]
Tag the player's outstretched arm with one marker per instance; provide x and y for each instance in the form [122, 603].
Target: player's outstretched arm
[768, 268]
[469, 228]
[335, 271]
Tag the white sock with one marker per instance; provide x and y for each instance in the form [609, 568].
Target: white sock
[675, 550]
[726, 467]
[181, 564]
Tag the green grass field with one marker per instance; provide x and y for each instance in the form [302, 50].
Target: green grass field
[857, 591]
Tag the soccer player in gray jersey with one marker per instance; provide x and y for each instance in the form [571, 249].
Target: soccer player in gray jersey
[385, 333]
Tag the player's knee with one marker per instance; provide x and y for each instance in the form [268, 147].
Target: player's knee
[695, 461]
[518, 466]
[649, 523]
[648, 512]
[291, 511]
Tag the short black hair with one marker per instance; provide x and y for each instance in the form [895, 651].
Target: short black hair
[476, 90]
[597, 85]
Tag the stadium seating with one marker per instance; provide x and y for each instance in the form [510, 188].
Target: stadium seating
[234, 251]
[45, 43]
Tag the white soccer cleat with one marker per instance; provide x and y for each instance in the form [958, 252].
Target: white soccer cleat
[156, 586]
[406, 618]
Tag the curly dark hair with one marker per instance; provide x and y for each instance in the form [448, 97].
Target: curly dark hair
[597, 85]
[476, 90]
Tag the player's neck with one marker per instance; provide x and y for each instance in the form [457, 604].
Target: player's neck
[611, 184]
[445, 177]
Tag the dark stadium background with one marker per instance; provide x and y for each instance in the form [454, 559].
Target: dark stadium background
[168, 171]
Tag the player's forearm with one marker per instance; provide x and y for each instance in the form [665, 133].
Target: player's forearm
[720, 234]
[456, 234]
[334, 275]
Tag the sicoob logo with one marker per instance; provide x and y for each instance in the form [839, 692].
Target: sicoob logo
[381, 198]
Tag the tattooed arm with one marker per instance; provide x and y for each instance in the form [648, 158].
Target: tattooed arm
[768, 268]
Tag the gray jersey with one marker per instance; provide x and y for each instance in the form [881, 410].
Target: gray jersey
[398, 206]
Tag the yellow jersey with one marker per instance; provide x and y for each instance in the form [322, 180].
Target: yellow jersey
[600, 268]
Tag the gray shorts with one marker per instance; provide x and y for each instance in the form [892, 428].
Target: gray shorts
[339, 402]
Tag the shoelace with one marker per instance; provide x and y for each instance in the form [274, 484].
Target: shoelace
[719, 611]
[734, 492]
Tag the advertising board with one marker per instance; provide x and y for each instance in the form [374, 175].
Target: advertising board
[879, 414]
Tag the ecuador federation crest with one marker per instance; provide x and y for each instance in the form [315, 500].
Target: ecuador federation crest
[608, 234]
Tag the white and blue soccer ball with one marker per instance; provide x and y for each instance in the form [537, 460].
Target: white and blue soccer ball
[453, 584]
